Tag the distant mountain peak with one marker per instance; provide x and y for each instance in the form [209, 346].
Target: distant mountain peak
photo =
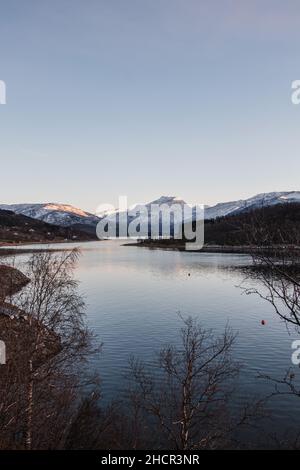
[66, 215]
[54, 213]
[259, 200]
[66, 208]
[168, 200]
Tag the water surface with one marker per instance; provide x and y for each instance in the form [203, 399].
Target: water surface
[133, 299]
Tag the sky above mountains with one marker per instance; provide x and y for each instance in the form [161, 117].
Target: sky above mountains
[141, 98]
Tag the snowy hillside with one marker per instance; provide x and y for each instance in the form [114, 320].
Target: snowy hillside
[260, 200]
[65, 215]
[57, 214]
[232, 207]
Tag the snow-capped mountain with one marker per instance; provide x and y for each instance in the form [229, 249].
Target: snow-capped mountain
[57, 214]
[260, 200]
[148, 216]
[138, 208]
[225, 208]
[163, 200]
[65, 215]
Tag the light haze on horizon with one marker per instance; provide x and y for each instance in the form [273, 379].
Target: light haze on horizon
[148, 98]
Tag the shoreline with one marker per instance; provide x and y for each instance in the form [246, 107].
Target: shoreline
[226, 249]
[205, 249]
[10, 249]
[48, 242]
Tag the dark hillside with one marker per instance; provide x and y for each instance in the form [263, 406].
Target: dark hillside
[272, 225]
[15, 228]
[268, 225]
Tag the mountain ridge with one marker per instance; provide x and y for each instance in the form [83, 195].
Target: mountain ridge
[53, 213]
[18, 228]
[66, 215]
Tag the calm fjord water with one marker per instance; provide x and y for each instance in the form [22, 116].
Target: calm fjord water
[133, 299]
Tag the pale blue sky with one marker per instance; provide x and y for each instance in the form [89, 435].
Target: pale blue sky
[148, 97]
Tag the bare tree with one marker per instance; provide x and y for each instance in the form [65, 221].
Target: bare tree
[181, 403]
[189, 391]
[47, 343]
[276, 265]
[275, 278]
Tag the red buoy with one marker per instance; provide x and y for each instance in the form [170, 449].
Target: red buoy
[263, 322]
